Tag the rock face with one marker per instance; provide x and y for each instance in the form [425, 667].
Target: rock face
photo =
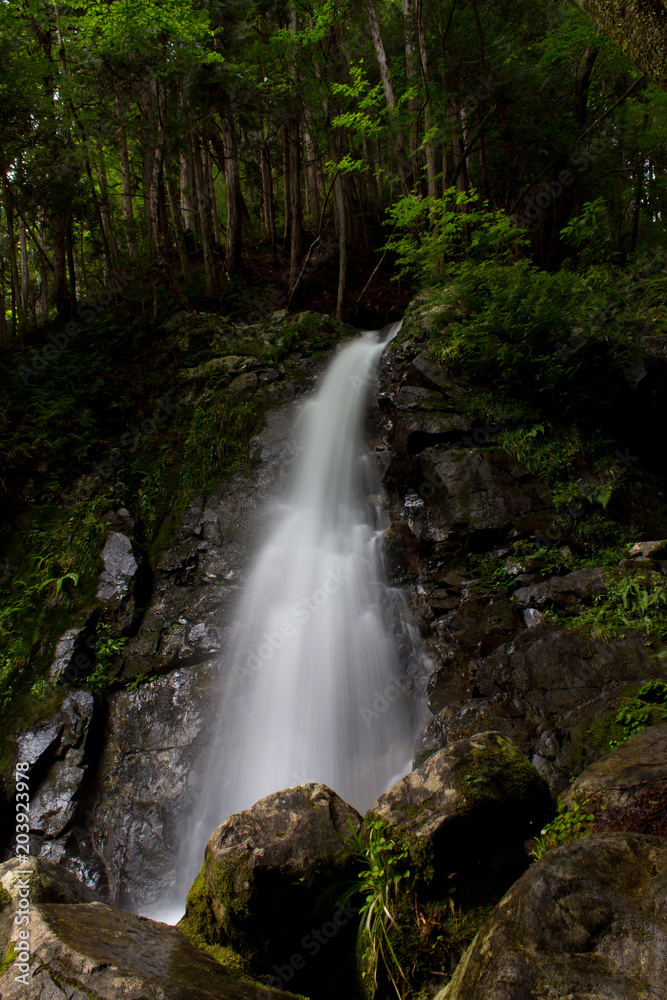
[145, 780]
[546, 690]
[472, 806]
[271, 884]
[81, 948]
[588, 920]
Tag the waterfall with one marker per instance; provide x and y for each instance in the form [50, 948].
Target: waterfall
[314, 686]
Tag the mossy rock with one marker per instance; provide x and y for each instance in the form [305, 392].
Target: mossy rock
[286, 856]
[468, 809]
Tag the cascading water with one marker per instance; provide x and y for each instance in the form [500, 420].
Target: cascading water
[314, 687]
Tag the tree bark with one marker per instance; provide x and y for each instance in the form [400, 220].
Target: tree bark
[177, 225]
[126, 182]
[639, 28]
[429, 145]
[234, 196]
[204, 215]
[390, 97]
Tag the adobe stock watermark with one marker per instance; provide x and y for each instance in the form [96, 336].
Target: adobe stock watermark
[41, 358]
[312, 943]
[300, 613]
[22, 912]
[383, 700]
[579, 160]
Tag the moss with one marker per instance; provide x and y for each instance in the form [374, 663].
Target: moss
[5, 898]
[497, 770]
[607, 730]
[199, 922]
[9, 958]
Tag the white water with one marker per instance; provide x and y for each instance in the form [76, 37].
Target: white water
[314, 688]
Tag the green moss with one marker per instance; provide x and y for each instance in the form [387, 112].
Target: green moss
[5, 898]
[200, 923]
[9, 958]
[497, 771]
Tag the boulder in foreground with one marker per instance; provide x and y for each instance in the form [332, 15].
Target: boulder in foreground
[588, 920]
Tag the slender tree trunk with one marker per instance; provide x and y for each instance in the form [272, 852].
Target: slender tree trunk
[209, 182]
[177, 225]
[412, 77]
[204, 221]
[311, 172]
[429, 146]
[234, 195]
[25, 278]
[187, 189]
[105, 208]
[287, 194]
[69, 245]
[17, 313]
[381, 56]
[268, 208]
[61, 297]
[126, 181]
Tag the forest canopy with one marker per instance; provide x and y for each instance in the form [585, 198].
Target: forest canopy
[179, 139]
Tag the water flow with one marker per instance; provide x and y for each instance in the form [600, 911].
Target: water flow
[313, 690]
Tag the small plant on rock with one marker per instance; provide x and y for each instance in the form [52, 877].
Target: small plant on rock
[383, 868]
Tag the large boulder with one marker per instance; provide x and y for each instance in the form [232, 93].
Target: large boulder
[271, 884]
[81, 948]
[626, 789]
[468, 810]
[588, 920]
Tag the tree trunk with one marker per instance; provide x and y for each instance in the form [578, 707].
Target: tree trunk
[61, 297]
[25, 278]
[126, 181]
[177, 225]
[17, 314]
[287, 193]
[639, 28]
[234, 196]
[412, 77]
[209, 182]
[268, 208]
[187, 189]
[204, 215]
[381, 56]
[429, 145]
[105, 208]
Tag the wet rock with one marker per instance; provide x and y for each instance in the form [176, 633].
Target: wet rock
[558, 682]
[119, 567]
[63, 653]
[588, 920]
[428, 374]
[243, 385]
[81, 948]
[567, 592]
[279, 857]
[649, 550]
[55, 751]
[627, 789]
[447, 806]
[49, 882]
[473, 489]
[146, 780]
